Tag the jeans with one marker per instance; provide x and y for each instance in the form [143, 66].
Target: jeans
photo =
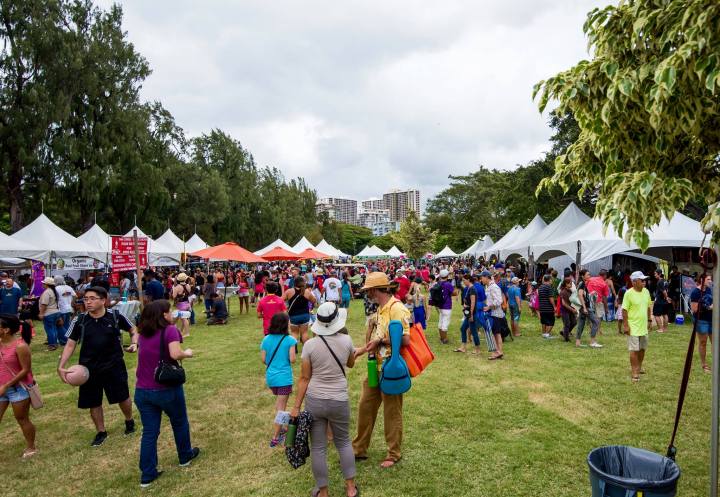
[336, 413]
[466, 323]
[51, 330]
[594, 324]
[152, 404]
[569, 322]
[192, 315]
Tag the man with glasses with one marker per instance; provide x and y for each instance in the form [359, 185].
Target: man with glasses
[636, 317]
[101, 352]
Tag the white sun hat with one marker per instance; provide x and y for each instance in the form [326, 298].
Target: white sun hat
[330, 319]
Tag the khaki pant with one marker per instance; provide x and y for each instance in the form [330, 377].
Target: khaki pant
[370, 401]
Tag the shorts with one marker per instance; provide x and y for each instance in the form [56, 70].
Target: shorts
[286, 390]
[704, 327]
[600, 311]
[244, 293]
[114, 382]
[636, 344]
[444, 321]
[14, 394]
[514, 313]
[618, 314]
[547, 318]
[499, 326]
[300, 319]
[659, 308]
[181, 314]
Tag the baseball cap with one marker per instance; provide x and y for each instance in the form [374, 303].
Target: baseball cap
[444, 273]
[485, 274]
[638, 275]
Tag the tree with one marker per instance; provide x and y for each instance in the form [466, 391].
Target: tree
[415, 238]
[649, 114]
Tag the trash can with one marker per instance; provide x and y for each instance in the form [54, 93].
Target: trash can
[621, 471]
[679, 319]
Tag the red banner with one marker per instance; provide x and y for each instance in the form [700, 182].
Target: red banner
[123, 253]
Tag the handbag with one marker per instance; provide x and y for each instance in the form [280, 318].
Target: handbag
[168, 371]
[33, 389]
[417, 353]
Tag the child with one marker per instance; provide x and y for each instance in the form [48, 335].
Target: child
[419, 309]
[618, 309]
[218, 311]
[277, 353]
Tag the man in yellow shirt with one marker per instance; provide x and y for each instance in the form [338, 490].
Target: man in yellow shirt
[636, 316]
[380, 290]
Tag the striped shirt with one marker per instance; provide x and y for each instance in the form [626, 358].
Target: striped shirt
[544, 293]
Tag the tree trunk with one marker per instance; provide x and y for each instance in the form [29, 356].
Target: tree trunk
[14, 193]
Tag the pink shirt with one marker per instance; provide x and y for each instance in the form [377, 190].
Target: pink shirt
[599, 285]
[10, 364]
[268, 307]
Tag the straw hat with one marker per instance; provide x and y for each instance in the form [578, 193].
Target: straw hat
[181, 277]
[330, 319]
[48, 280]
[378, 279]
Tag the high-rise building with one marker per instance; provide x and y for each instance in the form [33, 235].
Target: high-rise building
[373, 203]
[344, 209]
[369, 217]
[401, 202]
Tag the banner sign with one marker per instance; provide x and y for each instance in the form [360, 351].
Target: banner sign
[78, 263]
[123, 253]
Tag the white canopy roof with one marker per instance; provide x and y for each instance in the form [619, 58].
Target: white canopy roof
[48, 237]
[194, 244]
[505, 241]
[12, 248]
[395, 252]
[97, 237]
[303, 244]
[276, 243]
[158, 253]
[326, 248]
[373, 251]
[596, 243]
[446, 252]
[521, 242]
[478, 248]
[171, 241]
[568, 220]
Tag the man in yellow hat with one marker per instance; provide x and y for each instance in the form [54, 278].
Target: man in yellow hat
[380, 290]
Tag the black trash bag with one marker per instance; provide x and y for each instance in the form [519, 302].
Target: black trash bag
[631, 468]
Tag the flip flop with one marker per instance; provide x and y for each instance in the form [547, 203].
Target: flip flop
[707, 369]
[357, 491]
[459, 350]
[635, 379]
[495, 358]
[314, 492]
[389, 465]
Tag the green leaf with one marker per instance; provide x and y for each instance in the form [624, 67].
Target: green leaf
[711, 80]
[626, 86]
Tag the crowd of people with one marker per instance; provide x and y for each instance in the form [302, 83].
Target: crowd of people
[303, 309]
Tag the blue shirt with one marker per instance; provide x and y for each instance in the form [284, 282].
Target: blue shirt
[9, 300]
[154, 290]
[512, 292]
[279, 374]
[480, 289]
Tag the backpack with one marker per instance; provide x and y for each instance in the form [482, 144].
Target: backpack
[417, 354]
[395, 376]
[437, 295]
[185, 296]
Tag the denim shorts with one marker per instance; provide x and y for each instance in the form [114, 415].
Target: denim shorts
[515, 313]
[300, 319]
[704, 327]
[181, 314]
[14, 394]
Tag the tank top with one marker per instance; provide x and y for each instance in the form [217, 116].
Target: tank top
[10, 364]
[298, 304]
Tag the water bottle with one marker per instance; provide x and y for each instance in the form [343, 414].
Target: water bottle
[291, 433]
[372, 371]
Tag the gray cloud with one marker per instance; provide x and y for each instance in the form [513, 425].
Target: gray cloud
[362, 96]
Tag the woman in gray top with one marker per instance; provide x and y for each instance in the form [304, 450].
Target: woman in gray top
[323, 381]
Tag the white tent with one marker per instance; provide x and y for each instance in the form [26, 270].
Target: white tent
[372, 252]
[303, 244]
[48, 237]
[97, 237]
[276, 243]
[171, 241]
[158, 253]
[521, 242]
[194, 244]
[568, 220]
[395, 252]
[328, 249]
[446, 252]
[12, 248]
[505, 241]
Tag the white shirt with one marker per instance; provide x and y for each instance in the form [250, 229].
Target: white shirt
[494, 300]
[332, 287]
[66, 294]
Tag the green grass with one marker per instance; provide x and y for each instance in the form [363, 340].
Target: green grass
[518, 427]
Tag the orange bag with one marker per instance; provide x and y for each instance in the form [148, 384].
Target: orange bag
[417, 354]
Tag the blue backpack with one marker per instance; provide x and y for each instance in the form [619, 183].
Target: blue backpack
[395, 376]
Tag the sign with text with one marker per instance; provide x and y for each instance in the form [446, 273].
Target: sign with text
[123, 253]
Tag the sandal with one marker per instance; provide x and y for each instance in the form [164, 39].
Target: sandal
[391, 461]
[28, 453]
[459, 350]
[495, 357]
[357, 491]
[635, 379]
[707, 368]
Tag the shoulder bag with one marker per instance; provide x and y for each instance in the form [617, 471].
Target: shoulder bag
[168, 371]
[333, 354]
[275, 352]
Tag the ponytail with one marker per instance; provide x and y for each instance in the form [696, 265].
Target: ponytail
[11, 322]
[26, 332]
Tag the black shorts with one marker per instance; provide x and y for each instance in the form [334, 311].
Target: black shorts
[547, 318]
[660, 308]
[113, 381]
[500, 326]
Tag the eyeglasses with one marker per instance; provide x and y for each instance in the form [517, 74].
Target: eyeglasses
[90, 299]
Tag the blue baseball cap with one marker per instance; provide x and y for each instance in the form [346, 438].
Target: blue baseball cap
[486, 274]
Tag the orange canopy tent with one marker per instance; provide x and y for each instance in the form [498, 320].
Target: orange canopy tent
[280, 254]
[309, 253]
[228, 251]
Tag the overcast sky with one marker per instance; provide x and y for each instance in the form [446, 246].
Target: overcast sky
[359, 97]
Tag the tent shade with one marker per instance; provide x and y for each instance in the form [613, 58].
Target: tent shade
[328, 249]
[195, 243]
[309, 253]
[280, 254]
[171, 241]
[505, 241]
[301, 245]
[521, 243]
[446, 252]
[12, 248]
[276, 243]
[372, 252]
[48, 237]
[228, 251]
[395, 252]
[159, 254]
[97, 237]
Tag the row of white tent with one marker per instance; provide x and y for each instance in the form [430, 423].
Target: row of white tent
[573, 233]
[304, 244]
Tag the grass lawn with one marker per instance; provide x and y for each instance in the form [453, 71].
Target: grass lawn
[518, 427]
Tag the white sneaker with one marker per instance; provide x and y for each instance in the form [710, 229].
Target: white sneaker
[596, 345]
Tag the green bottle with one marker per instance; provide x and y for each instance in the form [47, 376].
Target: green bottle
[291, 433]
[372, 371]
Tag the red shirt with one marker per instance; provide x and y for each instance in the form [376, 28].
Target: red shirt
[425, 275]
[403, 288]
[599, 285]
[268, 307]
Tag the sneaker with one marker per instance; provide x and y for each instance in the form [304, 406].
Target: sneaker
[146, 484]
[195, 453]
[547, 336]
[596, 345]
[129, 427]
[99, 439]
[281, 437]
[274, 443]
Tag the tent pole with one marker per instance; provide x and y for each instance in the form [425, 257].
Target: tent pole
[715, 410]
[578, 258]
